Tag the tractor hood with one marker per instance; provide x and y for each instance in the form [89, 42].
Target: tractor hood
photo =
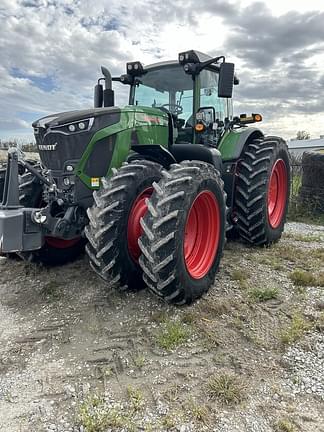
[88, 137]
[60, 119]
[63, 137]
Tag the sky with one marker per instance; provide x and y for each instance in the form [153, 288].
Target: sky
[51, 52]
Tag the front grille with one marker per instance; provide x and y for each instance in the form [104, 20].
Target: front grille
[55, 148]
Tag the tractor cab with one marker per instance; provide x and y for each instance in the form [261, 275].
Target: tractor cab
[168, 87]
[194, 91]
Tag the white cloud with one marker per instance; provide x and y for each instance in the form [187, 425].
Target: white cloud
[66, 42]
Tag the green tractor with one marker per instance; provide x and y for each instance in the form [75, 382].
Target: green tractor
[151, 189]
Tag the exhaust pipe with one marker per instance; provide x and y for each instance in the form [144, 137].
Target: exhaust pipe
[108, 94]
[104, 97]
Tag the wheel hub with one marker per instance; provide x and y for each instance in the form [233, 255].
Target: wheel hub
[202, 234]
[134, 229]
[277, 193]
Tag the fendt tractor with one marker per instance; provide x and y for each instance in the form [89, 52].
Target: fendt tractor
[150, 190]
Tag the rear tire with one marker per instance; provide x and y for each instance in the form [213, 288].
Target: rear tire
[184, 232]
[114, 223]
[262, 191]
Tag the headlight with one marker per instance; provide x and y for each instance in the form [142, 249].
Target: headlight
[73, 127]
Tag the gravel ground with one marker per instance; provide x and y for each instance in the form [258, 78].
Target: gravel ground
[76, 357]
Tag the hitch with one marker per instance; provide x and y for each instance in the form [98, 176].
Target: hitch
[18, 233]
[10, 199]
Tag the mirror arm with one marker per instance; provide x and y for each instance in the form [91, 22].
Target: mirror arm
[211, 61]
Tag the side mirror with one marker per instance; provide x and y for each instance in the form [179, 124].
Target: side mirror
[226, 80]
[98, 96]
[206, 114]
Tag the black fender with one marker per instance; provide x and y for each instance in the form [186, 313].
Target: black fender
[199, 152]
[178, 153]
[154, 153]
[245, 138]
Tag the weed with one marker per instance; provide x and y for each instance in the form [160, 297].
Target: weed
[95, 417]
[189, 317]
[302, 278]
[271, 261]
[172, 335]
[226, 387]
[139, 361]
[288, 253]
[305, 238]
[320, 280]
[212, 309]
[172, 393]
[136, 398]
[306, 278]
[51, 290]
[239, 275]
[170, 420]
[198, 412]
[318, 254]
[263, 294]
[160, 316]
[284, 425]
[295, 330]
[208, 335]
[319, 323]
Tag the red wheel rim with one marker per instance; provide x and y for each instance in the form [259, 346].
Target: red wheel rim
[59, 243]
[134, 229]
[202, 234]
[277, 193]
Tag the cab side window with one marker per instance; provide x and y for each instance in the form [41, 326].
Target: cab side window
[208, 93]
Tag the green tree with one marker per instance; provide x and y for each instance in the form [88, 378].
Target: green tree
[302, 135]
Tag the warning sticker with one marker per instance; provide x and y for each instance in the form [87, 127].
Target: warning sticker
[95, 182]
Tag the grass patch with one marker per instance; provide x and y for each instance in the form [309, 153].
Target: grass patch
[305, 238]
[171, 420]
[214, 308]
[318, 254]
[160, 316]
[94, 416]
[198, 412]
[139, 361]
[306, 278]
[172, 393]
[271, 261]
[295, 330]
[285, 425]
[172, 335]
[189, 317]
[225, 387]
[263, 294]
[135, 397]
[289, 253]
[306, 214]
[239, 275]
[51, 290]
[319, 323]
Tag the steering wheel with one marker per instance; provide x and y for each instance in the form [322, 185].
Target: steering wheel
[173, 108]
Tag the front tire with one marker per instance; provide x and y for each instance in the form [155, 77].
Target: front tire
[114, 223]
[262, 191]
[184, 232]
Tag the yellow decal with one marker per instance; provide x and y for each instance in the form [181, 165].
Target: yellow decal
[95, 182]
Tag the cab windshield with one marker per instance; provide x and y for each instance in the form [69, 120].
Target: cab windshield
[171, 88]
[167, 87]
